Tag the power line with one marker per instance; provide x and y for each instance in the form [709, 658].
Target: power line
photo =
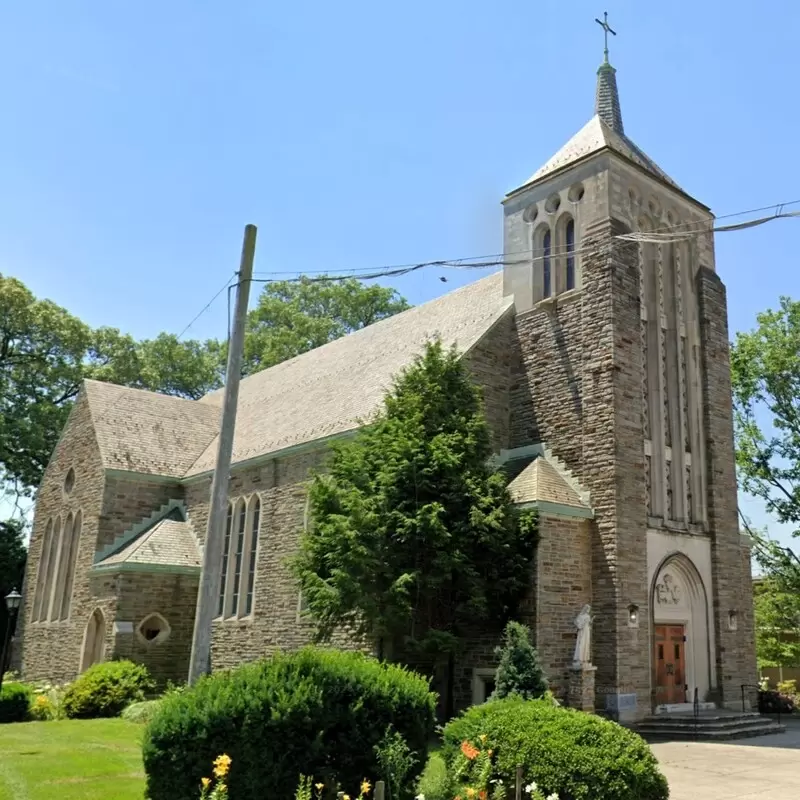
[208, 305]
[669, 233]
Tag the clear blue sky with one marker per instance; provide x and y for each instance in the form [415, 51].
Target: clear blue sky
[139, 138]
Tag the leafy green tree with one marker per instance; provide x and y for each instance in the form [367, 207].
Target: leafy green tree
[777, 622]
[765, 367]
[46, 352]
[519, 671]
[413, 538]
[293, 317]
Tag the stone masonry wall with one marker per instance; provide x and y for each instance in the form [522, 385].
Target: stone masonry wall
[52, 650]
[275, 623]
[546, 379]
[564, 585]
[489, 362]
[128, 499]
[174, 597]
[735, 653]
[613, 467]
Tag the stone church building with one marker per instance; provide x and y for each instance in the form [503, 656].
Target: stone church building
[602, 352]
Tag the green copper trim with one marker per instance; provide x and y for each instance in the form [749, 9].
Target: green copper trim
[558, 509]
[128, 566]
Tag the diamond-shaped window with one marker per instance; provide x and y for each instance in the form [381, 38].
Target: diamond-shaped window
[153, 629]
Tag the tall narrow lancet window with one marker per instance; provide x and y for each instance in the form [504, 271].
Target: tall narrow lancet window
[251, 558]
[547, 275]
[241, 525]
[71, 556]
[62, 567]
[226, 546]
[52, 569]
[41, 577]
[570, 248]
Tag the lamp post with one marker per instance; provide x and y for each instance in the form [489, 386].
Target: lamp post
[13, 600]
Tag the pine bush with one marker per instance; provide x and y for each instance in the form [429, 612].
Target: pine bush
[576, 755]
[313, 712]
[519, 672]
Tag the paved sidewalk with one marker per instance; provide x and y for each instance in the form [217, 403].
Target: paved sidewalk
[761, 768]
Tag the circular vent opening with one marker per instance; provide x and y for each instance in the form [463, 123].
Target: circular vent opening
[552, 204]
[153, 629]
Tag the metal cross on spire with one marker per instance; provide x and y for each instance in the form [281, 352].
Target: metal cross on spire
[606, 30]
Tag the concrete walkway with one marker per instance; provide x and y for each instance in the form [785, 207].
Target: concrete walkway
[761, 768]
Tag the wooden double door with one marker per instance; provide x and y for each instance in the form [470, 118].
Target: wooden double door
[669, 659]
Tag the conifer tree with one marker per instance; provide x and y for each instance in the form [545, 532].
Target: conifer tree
[412, 538]
[519, 672]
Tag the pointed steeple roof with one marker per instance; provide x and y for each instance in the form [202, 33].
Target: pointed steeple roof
[604, 131]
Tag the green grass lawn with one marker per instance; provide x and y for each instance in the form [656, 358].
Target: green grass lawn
[97, 759]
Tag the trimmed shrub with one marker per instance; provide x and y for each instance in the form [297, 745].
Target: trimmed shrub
[141, 712]
[15, 702]
[313, 712]
[104, 690]
[578, 756]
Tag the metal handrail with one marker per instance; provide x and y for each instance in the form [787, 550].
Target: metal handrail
[696, 711]
[758, 687]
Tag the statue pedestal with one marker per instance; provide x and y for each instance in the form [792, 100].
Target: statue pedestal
[581, 687]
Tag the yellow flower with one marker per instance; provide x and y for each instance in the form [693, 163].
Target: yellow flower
[482, 737]
[319, 786]
[222, 765]
[206, 782]
[365, 786]
[470, 792]
[345, 797]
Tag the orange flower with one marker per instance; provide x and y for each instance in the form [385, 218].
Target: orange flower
[469, 750]
[482, 794]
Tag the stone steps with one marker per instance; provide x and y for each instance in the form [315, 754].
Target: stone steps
[708, 726]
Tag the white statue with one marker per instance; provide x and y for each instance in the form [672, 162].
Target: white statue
[583, 644]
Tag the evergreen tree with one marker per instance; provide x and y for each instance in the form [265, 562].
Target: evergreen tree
[412, 536]
[519, 672]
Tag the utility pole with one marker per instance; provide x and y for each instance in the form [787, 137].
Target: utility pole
[210, 578]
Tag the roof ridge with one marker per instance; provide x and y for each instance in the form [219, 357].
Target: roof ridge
[381, 323]
[134, 389]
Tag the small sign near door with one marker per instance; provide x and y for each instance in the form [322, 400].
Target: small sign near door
[670, 664]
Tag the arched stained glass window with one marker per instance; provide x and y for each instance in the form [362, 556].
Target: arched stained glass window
[570, 242]
[547, 278]
[251, 558]
[226, 546]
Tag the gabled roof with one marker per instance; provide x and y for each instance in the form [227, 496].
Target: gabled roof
[335, 388]
[168, 542]
[151, 433]
[541, 483]
[594, 136]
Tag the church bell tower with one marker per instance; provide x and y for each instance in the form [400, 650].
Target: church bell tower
[622, 332]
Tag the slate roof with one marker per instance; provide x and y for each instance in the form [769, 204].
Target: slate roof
[327, 391]
[151, 433]
[169, 541]
[334, 388]
[594, 136]
[540, 481]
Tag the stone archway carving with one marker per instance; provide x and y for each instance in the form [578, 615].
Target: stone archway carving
[679, 598]
[94, 640]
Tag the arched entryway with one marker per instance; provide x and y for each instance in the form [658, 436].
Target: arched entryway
[94, 640]
[681, 642]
